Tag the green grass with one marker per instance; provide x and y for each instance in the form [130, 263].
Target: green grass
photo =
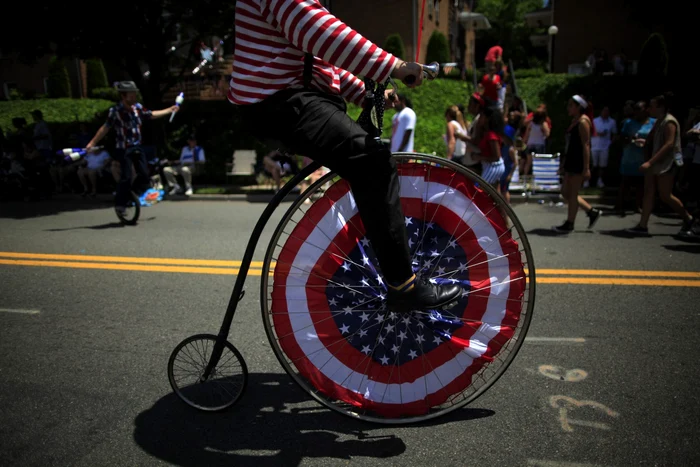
[55, 110]
[429, 102]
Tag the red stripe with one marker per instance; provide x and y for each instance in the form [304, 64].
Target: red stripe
[420, 31]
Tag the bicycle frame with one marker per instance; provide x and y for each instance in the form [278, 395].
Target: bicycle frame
[238, 292]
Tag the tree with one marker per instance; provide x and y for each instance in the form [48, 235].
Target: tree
[508, 27]
[137, 35]
[58, 80]
[653, 59]
[394, 45]
[438, 48]
[96, 74]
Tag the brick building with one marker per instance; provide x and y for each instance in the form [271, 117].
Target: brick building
[610, 25]
[32, 79]
[376, 20]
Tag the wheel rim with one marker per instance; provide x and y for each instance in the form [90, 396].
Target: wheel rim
[226, 383]
[133, 208]
[492, 260]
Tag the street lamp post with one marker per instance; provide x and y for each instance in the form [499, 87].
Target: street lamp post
[552, 31]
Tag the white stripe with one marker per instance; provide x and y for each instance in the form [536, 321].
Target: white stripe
[576, 340]
[336, 43]
[350, 48]
[319, 239]
[316, 47]
[17, 310]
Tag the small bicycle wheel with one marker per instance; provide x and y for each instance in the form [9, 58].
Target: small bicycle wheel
[323, 296]
[224, 386]
[132, 212]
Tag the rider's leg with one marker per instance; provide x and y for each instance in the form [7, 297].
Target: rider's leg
[143, 178]
[318, 126]
[124, 184]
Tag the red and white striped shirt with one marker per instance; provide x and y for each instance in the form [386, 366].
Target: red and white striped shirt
[272, 37]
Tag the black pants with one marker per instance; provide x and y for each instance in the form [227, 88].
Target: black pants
[125, 157]
[316, 125]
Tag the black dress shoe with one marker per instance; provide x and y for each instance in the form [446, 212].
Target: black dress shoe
[424, 296]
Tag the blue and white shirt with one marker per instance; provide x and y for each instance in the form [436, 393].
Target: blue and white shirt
[190, 156]
[127, 124]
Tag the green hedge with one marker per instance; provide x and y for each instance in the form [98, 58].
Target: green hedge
[96, 74]
[58, 80]
[394, 45]
[438, 49]
[62, 115]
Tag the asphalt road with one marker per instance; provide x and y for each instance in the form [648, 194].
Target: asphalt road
[83, 369]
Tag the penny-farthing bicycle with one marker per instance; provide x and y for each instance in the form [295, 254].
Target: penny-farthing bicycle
[323, 298]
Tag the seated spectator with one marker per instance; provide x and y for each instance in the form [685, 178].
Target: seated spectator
[95, 163]
[191, 157]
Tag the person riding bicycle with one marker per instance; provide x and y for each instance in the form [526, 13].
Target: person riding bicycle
[126, 118]
[294, 67]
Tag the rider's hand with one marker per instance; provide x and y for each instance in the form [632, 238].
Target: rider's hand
[390, 98]
[405, 69]
[174, 108]
[89, 146]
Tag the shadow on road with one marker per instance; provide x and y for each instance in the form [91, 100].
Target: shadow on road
[553, 233]
[109, 225]
[688, 248]
[262, 430]
[52, 207]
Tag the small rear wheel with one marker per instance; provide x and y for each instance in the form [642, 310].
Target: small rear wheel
[133, 210]
[222, 388]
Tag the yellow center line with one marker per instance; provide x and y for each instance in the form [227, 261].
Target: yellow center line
[127, 267]
[226, 267]
[618, 281]
[130, 259]
[603, 272]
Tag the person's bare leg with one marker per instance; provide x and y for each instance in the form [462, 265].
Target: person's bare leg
[583, 204]
[648, 201]
[83, 179]
[92, 175]
[665, 184]
[574, 184]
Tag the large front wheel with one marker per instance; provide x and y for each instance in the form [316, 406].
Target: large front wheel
[324, 305]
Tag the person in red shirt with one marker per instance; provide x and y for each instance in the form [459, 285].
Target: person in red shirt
[492, 166]
[491, 84]
[494, 54]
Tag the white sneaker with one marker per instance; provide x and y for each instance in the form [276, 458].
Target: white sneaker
[586, 184]
[189, 192]
[175, 190]
[600, 183]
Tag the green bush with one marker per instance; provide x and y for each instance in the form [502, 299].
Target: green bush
[110, 94]
[394, 45]
[96, 74]
[438, 48]
[529, 73]
[58, 80]
[653, 59]
[62, 115]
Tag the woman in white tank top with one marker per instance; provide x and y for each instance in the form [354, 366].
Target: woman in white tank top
[537, 133]
[456, 148]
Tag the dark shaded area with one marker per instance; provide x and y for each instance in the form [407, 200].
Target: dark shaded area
[26, 210]
[262, 430]
[689, 248]
[552, 233]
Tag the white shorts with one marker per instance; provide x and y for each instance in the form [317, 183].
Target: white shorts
[599, 158]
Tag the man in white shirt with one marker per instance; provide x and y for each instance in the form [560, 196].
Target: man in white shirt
[403, 126]
[191, 156]
[605, 128]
